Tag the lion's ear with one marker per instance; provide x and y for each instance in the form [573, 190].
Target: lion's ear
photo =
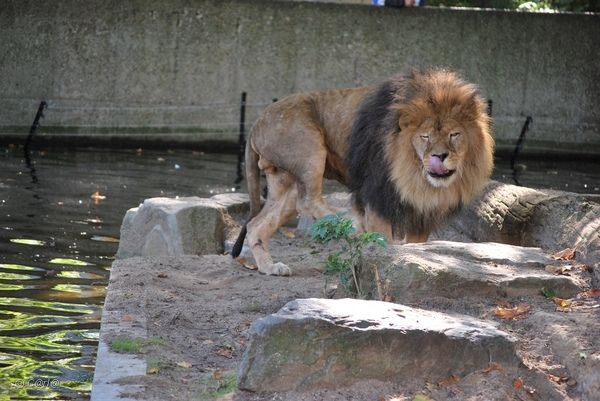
[471, 108]
[404, 121]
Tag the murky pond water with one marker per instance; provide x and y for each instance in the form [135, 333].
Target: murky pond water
[57, 243]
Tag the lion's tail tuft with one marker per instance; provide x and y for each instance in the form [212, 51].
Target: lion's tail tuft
[239, 243]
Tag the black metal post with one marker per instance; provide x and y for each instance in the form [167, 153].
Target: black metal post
[34, 125]
[518, 148]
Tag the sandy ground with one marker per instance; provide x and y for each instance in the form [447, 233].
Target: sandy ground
[199, 308]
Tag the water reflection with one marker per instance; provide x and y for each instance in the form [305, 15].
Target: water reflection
[58, 235]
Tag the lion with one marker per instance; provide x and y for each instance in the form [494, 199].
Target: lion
[412, 152]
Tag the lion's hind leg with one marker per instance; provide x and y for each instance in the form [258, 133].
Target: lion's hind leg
[280, 207]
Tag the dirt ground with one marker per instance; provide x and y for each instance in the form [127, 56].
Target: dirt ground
[198, 311]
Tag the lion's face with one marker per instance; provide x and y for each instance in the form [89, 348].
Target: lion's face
[441, 147]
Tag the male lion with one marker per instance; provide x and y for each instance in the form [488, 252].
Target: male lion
[412, 152]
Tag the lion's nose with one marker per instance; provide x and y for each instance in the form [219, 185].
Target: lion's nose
[442, 157]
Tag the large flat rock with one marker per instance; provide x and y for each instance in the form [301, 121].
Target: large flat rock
[456, 269]
[319, 343]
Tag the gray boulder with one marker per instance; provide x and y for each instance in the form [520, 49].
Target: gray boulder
[319, 343]
[182, 226]
[456, 270]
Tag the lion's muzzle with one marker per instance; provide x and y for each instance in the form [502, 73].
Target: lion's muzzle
[437, 168]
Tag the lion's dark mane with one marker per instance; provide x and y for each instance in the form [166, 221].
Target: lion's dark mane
[369, 171]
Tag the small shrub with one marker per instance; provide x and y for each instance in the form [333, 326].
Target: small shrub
[345, 262]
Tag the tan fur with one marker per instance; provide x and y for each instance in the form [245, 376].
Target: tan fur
[305, 137]
[296, 142]
[470, 153]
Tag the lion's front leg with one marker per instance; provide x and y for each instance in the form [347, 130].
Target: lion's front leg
[412, 238]
[374, 223]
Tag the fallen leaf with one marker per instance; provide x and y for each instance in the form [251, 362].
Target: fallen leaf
[247, 322]
[489, 367]
[97, 197]
[571, 382]
[273, 297]
[593, 291]
[518, 383]
[96, 220]
[241, 341]
[558, 269]
[127, 318]
[290, 234]
[430, 386]
[207, 342]
[218, 375]
[565, 254]
[161, 275]
[184, 364]
[509, 313]
[225, 352]
[557, 379]
[562, 302]
[244, 262]
[451, 380]
[152, 371]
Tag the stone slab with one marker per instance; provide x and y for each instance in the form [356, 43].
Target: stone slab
[455, 269]
[179, 226]
[319, 343]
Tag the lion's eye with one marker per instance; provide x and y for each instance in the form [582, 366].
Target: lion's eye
[425, 137]
[454, 135]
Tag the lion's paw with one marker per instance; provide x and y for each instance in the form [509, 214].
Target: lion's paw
[276, 269]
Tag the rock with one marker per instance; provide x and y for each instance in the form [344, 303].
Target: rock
[319, 343]
[551, 220]
[455, 270]
[182, 226]
[565, 344]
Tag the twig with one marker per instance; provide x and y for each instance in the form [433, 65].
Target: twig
[377, 281]
[387, 296]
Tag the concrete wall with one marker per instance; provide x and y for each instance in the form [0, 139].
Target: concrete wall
[184, 63]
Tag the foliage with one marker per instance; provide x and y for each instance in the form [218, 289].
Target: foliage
[127, 344]
[344, 262]
[523, 5]
[225, 386]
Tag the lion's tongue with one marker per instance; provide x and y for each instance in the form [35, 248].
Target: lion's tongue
[436, 165]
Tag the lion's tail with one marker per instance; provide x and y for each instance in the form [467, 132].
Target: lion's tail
[253, 177]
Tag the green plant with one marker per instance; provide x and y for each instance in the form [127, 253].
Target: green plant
[227, 385]
[156, 341]
[127, 344]
[345, 262]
